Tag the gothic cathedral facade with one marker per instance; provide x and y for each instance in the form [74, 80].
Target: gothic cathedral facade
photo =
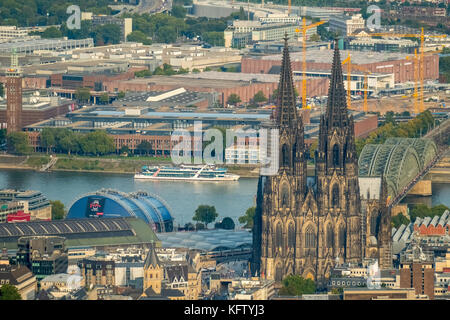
[301, 228]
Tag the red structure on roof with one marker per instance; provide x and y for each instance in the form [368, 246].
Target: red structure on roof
[19, 216]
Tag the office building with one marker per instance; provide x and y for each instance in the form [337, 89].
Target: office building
[43, 255]
[30, 202]
[125, 24]
[346, 25]
[14, 96]
[417, 271]
[97, 271]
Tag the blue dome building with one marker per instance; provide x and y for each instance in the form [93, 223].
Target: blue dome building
[107, 203]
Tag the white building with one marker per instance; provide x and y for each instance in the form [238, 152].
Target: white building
[12, 32]
[242, 154]
[346, 25]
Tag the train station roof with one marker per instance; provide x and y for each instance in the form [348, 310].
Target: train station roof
[207, 240]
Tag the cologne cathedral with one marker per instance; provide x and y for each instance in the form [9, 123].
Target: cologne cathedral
[306, 228]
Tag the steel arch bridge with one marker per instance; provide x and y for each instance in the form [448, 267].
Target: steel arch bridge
[399, 160]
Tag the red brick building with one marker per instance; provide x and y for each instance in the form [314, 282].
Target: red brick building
[246, 90]
[402, 68]
[419, 276]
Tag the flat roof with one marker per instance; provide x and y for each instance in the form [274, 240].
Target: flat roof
[326, 56]
[180, 81]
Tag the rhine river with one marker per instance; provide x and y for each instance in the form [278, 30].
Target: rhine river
[231, 199]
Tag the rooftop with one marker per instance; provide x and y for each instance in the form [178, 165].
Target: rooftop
[207, 240]
[326, 56]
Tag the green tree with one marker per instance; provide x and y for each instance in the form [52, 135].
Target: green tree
[125, 150]
[179, 11]
[295, 285]
[47, 138]
[398, 220]
[439, 210]
[18, 143]
[199, 226]
[103, 143]
[189, 226]
[227, 223]
[51, 32]
[121, 95]
[259, 97]
[104, 98]
[139, 36]
[214, 38]
[58, 210]
[390, 117]
[9, 292]
[144, 147]
[233, 99]
[83, 94]
[167, 34]
[205, 214]
[69, 143]
[106, 34]
[247, 219]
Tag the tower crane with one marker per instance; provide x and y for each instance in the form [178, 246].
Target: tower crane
[420, 59]
[348, 61]
[303, 30]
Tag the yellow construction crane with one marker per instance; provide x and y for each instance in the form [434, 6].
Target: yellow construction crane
[348, 61]
[421, 62]
[303, 31]
[418, 106]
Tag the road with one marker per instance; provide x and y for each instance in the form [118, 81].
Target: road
[146, 6]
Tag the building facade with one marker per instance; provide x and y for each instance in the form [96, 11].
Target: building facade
[302, 229]
[21, 278]
[14, 96]
[44, 256]
[97, 272]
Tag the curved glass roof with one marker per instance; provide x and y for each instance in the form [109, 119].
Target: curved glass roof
[143, 205]
[398, 159]
[207, 240]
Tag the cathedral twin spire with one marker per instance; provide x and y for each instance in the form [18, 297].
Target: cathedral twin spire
[286, 113]
[336, 114]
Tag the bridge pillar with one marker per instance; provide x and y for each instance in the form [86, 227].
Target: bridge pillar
[421, 188]
[400, 208]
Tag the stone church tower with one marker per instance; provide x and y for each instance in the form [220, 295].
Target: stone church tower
[302, 229]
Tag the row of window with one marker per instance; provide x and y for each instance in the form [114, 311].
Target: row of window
[310, 237]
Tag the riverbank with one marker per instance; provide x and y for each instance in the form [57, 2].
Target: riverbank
[110, 165]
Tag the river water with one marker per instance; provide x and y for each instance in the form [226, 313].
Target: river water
[231, 199]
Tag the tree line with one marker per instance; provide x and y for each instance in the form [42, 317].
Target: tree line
[418, 211]
[63, 140]
[414, 128]
[160, 28]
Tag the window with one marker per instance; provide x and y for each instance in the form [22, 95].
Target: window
[291, 236]
[278, 237]
[285, 155]
[374, 223]
[335, 196]
[342, 237]
[310, 239]
[285, 195]
[330, 236]
[335, 155]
